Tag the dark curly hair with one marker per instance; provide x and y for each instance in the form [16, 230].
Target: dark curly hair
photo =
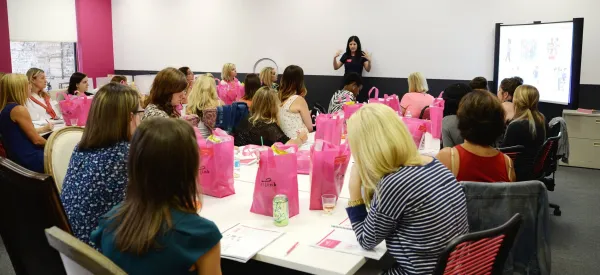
[510, 84]
[480, 118]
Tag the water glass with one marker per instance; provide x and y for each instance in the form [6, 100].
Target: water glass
[329, 201]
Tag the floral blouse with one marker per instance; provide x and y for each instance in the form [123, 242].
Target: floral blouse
[153, 111]
[95, 182]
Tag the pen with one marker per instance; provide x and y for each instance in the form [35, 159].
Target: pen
[291, 249]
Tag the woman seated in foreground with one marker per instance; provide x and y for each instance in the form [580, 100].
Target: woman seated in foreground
[528, 129]
[480, 122]
[157, 230]
[97, 174]
[416, 205]
[262, 126]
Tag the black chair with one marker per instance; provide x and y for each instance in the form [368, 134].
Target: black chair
[482, 252]
[425, 113]
[545, 167]
[29, 203]
[512, 151]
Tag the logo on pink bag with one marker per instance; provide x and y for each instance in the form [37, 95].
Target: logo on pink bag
[267, 183]
[340, 159]
[206, 152]
[203, 170]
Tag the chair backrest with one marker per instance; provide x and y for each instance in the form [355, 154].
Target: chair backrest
[29, 203]
[482, 252]
[425, 113]
[546, 156]
[78, 257]
[492, 204]
[512, 151]
[58, 151]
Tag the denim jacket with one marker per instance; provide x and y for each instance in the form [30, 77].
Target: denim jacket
[491, 204]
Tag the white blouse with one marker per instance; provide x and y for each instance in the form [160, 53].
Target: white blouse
[290, 122]
[38, 112]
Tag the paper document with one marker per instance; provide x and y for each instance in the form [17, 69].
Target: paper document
[344, 240]
[240, 243]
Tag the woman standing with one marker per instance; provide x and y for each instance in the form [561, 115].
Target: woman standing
[39, 104]
[97, 170]
[354, 59]
[22, 142]
[415, 203]
[167, 91]
[78, 84]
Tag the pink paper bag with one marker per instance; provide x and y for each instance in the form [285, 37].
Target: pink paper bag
[303, 162]
[349, 110]
[393, 101]
[329, 167]
[75, 107]
[416, 128]
[436, 114]
[215, 174]
[276, 175]
[329, 128]
[375, 99]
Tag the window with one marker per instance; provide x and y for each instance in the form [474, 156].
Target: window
[57, 59]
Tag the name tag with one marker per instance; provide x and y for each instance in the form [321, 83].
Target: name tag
[349, 60]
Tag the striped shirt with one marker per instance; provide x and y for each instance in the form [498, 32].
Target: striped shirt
[418, 211]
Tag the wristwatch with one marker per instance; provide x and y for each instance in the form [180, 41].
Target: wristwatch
[355, 203]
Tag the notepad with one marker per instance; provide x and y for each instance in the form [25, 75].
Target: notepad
[343, 240]
[241, 242]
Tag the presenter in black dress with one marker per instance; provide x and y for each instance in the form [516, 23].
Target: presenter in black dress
[354, 59]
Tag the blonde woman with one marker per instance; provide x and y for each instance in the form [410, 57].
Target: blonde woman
[528, 128]
[203, 102]
[39, 104]
[268, 77]
[417, 97]
[414, 200]
[22, 142]
[262, 126]
[233, 90]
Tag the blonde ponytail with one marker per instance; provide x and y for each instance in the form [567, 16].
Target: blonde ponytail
[526, 98]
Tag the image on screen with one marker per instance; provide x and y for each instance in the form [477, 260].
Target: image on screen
[541, 55]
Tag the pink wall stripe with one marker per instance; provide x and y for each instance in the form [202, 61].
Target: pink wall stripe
[5, 61]
[95, 55]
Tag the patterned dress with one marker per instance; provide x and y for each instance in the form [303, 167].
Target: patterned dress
[95, 182]
[153, 111]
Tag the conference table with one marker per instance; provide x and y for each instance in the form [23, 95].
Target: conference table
[306, 228]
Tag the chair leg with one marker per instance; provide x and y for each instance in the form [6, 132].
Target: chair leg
[556, 208]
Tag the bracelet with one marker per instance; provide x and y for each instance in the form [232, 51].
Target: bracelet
[356, 203]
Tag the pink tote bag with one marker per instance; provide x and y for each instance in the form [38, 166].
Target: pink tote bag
[329, 167]
[215, 174]
[276, 175]
[75, 107]
[416, 128]
[303, 162]
[329, 128]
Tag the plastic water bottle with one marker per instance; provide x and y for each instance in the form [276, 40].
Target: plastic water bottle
[236, 166]
[408, 114]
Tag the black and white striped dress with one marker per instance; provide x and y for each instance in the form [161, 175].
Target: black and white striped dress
[418, 211]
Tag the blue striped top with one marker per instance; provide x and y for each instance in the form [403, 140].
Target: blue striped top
[418, 211]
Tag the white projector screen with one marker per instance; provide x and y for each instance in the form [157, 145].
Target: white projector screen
[541, 54]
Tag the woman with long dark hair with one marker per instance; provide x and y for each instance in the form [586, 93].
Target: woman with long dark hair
[78, 84]
[354, 59]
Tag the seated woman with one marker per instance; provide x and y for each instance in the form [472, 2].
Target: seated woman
[416, 205]
[97, 173]
[528, 128]
[452, 96]
[251, 85]
[22, 142]
[294, 115]
[40, 105]
[417, 97]
[352, 86]
[268, 77]
[262, 127]
[167, 92]
[156, 229]
[505, 94]
[203, 102]
[78, 85]
[480, 122]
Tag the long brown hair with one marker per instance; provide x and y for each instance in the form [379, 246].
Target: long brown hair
[14, 89]
[166, 83]
[110, 115]
[158, 145]
[251, 85]
[265, 106]
[292, 83]
[526, 98]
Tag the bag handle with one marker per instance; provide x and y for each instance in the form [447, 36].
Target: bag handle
[65, 95]
[376, 92]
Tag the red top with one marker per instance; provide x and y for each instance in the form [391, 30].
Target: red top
[481, 169]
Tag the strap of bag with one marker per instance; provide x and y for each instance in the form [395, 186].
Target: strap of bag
[376, 92]
[452, 161]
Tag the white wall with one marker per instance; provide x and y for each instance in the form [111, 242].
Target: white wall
[42, 20]
[443, 39]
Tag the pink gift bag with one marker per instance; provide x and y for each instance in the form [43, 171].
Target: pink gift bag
[75, 107]
[416, 128]
[393, 101]
[375, 99]
[215, 174]
[329, 128]
[303, 162]
[329, 165]
[276, 175]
